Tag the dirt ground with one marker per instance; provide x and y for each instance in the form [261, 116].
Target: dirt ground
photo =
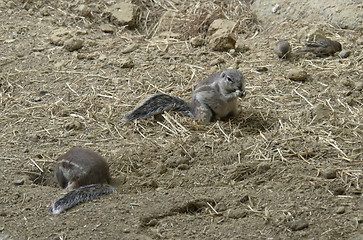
[289, 166]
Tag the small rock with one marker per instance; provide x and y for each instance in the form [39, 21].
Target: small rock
[344, 54]
[299, 225]
[73, 44]
[42, 92]
[222, 26]
[18, 182]
[261, 69]
[34, 138]
[124, 13]
[297, 75]
[107, 28]
[216, 61]
[37, 99]
[197, 41]
[152, 222]
[340, 210]
[276, 8]
[241, 47]
[183, 167]
[130, 48]
[222, 42]
[85, 11]
[232, 52]
[339, 191]
[238, 213]
[329, 173]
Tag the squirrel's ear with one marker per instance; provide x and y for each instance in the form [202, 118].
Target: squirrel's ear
[223, 74]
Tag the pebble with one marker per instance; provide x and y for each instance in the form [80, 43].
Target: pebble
[344, 54]
[18, 182]
[297, 75]
[261, 69]
[73, 44]
[216, 61]
[238, 213]
[107, 28]
[340, 210]
[339, 191]
[183, 167]
[132, 47]
[299, 225]
[329, 173]
[85, 11]
[126, 62]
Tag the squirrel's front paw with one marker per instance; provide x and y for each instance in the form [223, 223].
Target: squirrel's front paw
[243, 93]
[240, 93]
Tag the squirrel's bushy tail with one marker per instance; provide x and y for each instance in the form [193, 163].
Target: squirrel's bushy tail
[158, 104]
[79, 195]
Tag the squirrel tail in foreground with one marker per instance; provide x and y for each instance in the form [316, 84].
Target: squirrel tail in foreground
[158, 104]
[79, 195]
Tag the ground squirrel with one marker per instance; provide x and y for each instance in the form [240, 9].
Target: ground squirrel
[322, 47]
[213, 98]
[282, 49]
[85, 174]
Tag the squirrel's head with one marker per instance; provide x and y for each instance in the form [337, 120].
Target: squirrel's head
[232, 80]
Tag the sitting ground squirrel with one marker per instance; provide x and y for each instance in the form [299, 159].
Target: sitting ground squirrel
[282, 49]
[213, 99]
[85, 173]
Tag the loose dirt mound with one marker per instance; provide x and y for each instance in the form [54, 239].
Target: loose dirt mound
[288, 166]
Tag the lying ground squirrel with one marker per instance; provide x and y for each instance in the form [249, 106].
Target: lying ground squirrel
[213, 99]
[85, 174]
[322, 47]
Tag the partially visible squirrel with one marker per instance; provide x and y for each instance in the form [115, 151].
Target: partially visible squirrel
[214, 98]
[85, 174]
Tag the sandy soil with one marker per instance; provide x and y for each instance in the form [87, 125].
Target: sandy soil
[289, 166]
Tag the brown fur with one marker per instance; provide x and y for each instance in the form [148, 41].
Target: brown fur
[85, 174]
[322, 47]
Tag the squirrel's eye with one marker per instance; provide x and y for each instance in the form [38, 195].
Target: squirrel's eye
[229, 79]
